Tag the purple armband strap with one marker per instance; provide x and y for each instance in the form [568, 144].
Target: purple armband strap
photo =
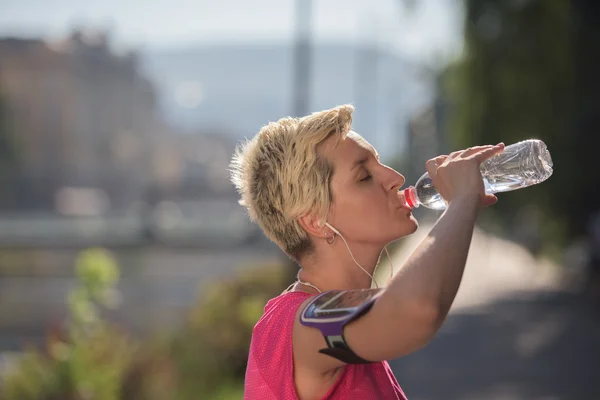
[331, 311]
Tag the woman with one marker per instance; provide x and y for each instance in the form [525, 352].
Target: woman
[307, 181]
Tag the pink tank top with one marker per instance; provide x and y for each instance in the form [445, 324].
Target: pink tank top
[270, 375]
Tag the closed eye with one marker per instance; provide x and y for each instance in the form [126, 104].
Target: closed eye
[366, 178]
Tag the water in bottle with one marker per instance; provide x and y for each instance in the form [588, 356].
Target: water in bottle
[520, 165]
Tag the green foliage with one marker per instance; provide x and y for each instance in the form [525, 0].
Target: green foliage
[90, 359]
[152, 374]
[98, 274]
[206, 358]
[211, 351]
[517, 80]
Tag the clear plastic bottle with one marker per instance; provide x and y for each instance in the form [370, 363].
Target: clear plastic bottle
[520, 165]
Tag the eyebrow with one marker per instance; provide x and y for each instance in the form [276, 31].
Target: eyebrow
[365, 158]
[358, 163]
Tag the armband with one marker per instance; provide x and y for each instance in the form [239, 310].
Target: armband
[331, 311]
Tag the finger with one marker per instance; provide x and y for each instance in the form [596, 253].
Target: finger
[455, 154]
[489, 153]
[433, 164]
[437, 161]
[488, 200]
[476, 149]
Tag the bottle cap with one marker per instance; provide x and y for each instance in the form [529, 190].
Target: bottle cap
[410, 199]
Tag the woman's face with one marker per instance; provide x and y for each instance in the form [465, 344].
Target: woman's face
[366, 205]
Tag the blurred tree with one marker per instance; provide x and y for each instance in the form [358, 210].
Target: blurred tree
[528, 72]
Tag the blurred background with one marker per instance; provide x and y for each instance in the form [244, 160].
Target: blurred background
[129, 271]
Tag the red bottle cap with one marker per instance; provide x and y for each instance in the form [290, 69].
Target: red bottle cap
[410, 198]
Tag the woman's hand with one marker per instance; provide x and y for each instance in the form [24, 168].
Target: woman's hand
[457, 176]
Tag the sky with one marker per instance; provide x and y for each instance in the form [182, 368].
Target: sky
[431, 29]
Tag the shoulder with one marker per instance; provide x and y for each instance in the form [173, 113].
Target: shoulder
[276, 325]
[272, 335]
[281, 307]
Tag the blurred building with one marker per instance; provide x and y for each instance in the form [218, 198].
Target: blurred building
[83, 116]
[192, 166]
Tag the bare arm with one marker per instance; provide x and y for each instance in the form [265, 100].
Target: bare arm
[432, 274]
[417, 301]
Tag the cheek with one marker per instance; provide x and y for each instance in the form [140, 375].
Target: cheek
[370, 198]
[365, 207]
[371, 214]
[368, 209]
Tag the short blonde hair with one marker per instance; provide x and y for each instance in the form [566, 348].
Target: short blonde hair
[281, 176]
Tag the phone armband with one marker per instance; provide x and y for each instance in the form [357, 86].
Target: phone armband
[331, 311]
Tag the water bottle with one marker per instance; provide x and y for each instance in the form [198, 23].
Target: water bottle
[520, 165]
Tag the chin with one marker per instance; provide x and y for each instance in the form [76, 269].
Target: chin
[411, 226]
[415, 224]
[408, 227]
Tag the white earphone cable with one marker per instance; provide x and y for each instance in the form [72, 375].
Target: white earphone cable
[356, 262]
[353, 259]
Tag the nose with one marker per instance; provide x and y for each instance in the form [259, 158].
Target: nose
[396, 179]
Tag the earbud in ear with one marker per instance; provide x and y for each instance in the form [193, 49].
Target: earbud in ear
[332, 228]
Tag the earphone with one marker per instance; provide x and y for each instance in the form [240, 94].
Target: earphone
[332, 228]
[327, 224]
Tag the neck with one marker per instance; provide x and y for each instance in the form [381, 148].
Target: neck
[332, 268]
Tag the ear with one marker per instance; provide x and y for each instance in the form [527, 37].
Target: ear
[314, 226]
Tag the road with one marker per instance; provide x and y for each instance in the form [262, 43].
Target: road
[515, 332]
